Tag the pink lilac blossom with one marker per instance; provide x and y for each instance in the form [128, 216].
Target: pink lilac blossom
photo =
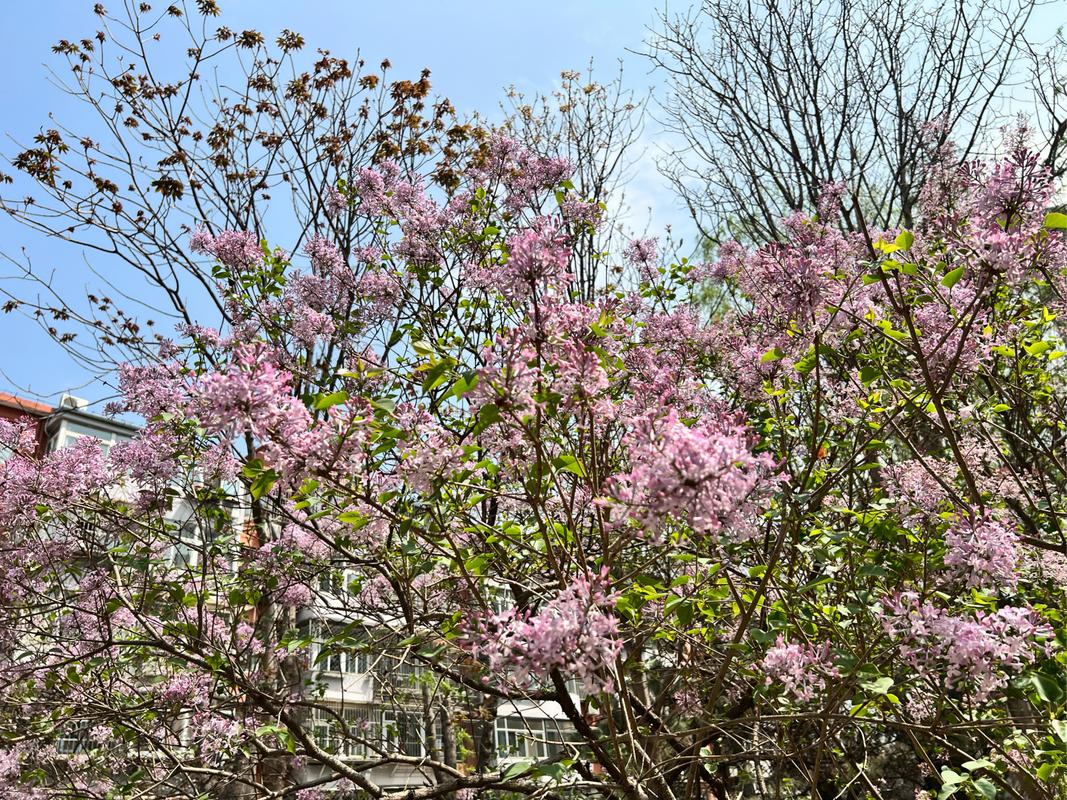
[578, 212]
[791, 282]
[643, 254]
[149, 458]
[295, 540]
[58, 480]
[537, 261]
[510, 378]
[950, 334]
[984, 553]
[574, 633]
[186, 689]
[326, 259]
[829, 206]
[200, 334]
[383, 192]
[704, 474]
[18, 435]
[310, 326]
[213, 736]
[378, 292]
[918, 494]
[217, 463]
[252, 395]
[376, 594]
[372, 187]
[522, 173]
[335, 202]
[802, 670]
[429, 450]
[978, 652]
[238, 250]
[663, 366]
[990, 218]
[154, 389]
[579, 374]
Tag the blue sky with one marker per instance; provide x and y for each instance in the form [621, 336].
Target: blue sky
[473, 48]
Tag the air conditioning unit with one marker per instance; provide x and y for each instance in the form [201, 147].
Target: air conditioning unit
[70, 401]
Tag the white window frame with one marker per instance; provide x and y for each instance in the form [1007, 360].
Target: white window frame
[533, 738]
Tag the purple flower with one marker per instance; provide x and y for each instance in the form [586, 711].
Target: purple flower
[802, 670]
[983, 551]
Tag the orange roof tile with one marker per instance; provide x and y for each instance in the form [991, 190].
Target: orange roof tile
[21, 403]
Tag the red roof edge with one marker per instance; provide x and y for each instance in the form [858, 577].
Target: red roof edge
[22, 404]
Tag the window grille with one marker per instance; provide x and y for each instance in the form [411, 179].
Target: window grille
[403, 732]
[345, 730]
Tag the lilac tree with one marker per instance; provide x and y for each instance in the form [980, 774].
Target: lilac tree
[807, 547]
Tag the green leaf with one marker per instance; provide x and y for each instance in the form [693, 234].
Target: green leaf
[986, 788]
[554, 771]
[880, 686]
[1047, 687]
[568, 463]
[1059, 727]
[476, 565]
[1056, 221]
[263, 483]
[869, 373]
[682, 608]
[807, 363]
[952, 278]
[463, 385]
[771, 355]
[905, 240]
[322, 402]
[1037, 348]
[516, 769]
[950, 776]
[385, 404]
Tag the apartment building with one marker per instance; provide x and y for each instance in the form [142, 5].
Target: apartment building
[369, 705]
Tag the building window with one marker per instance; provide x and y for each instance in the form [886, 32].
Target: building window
[346, 730]
[395, 672]
[347, 662]
[331, 657]
[403, 732]
[185, 553]
[73, 431]
[73, 738]
[363, 732]
[530, 737]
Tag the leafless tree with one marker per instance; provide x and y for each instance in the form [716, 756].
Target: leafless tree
[1049, 84]
[772, 100]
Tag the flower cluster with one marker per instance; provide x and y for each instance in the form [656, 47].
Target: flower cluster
[252, 395]
[537, 261]
[802, 670]
[983, 552]
[977, 652]
[703, 474]
[238, 250]
[574, 633]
